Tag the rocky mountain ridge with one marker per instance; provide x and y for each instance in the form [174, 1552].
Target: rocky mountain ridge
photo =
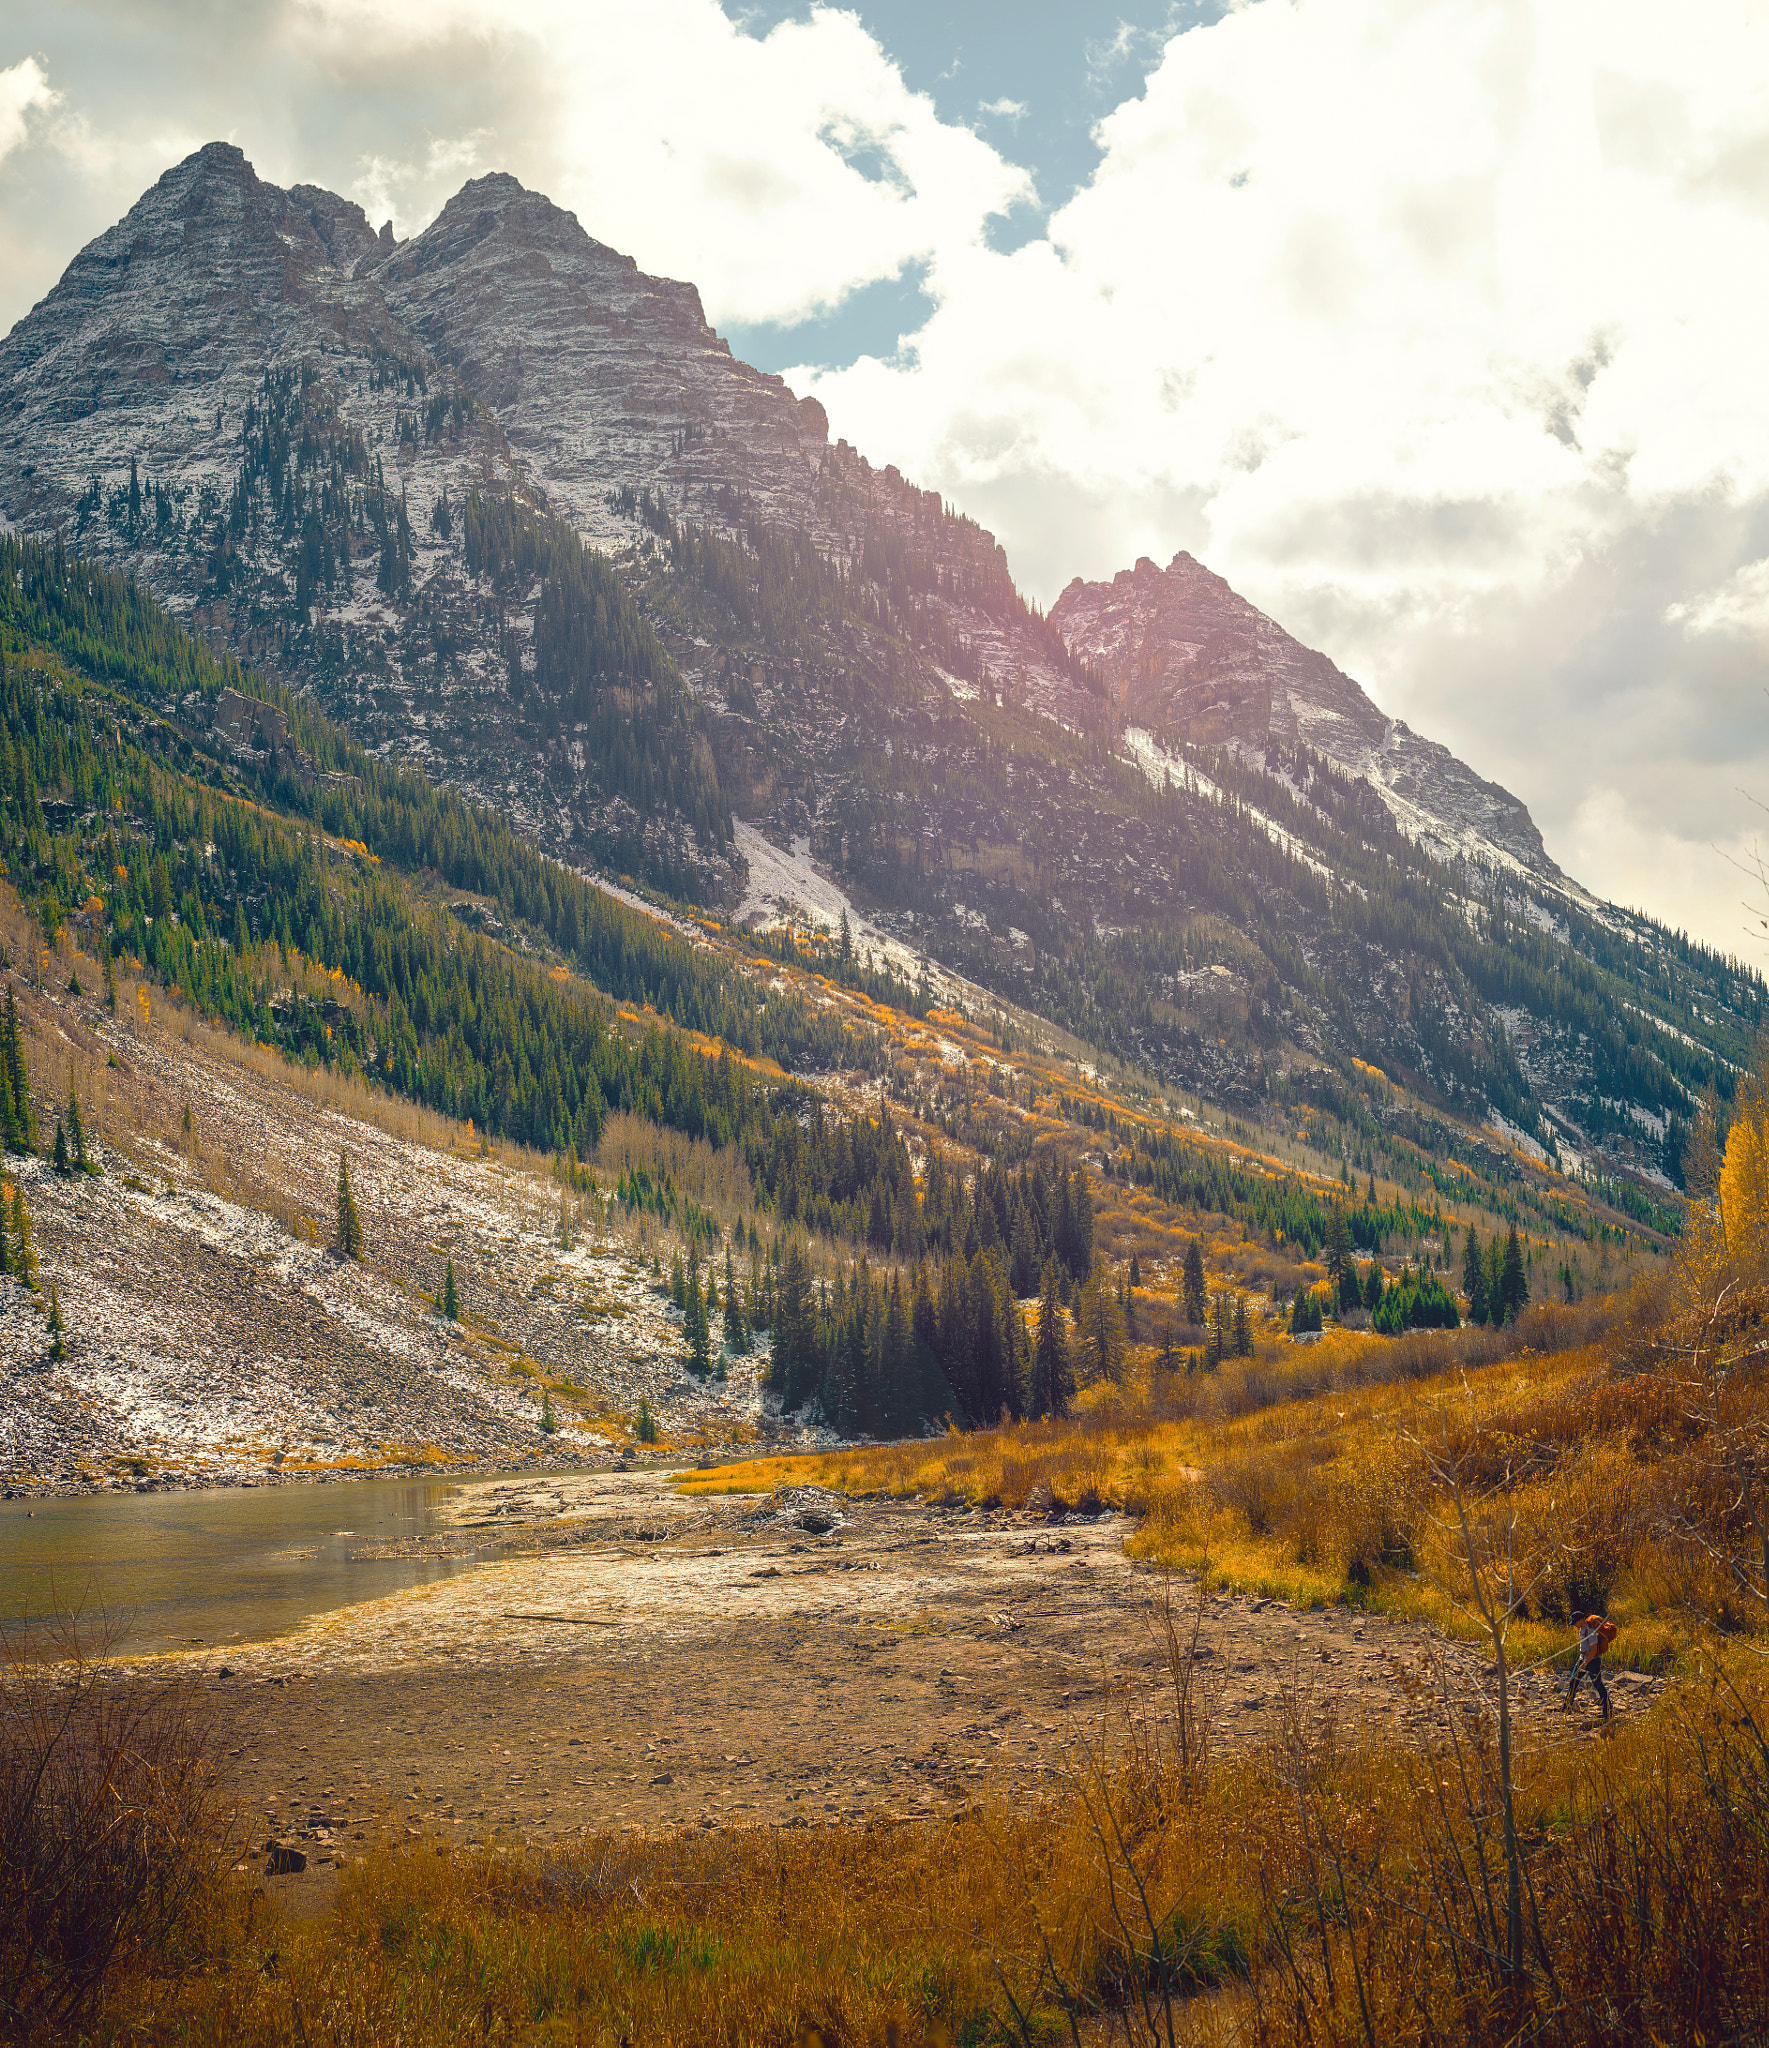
[370, 467]
[504, 348]
[1183, 653]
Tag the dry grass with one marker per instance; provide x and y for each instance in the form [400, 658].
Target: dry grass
[114, 1840]
[1306, 1474]
[1325, 1889]
[1328, 1888]
[714, 1177]
[50, 1034]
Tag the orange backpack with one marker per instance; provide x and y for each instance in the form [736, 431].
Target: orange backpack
[1605, 1633]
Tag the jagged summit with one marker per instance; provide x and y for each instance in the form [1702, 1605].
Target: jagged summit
[277, 419]
[561, 368]
[211, 270]
[238, 393]
[1183, 653]
[343, 228]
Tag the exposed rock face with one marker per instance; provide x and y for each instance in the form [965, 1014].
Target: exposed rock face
[172, 312]
[503, 349]
[587, 375]
[1183, 653]
[593, 369]
[269, 414]
[579, 377]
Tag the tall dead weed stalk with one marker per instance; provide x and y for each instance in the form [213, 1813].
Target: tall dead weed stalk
[114, 1836]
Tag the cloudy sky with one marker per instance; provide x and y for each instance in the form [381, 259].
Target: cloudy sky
[1437, 326]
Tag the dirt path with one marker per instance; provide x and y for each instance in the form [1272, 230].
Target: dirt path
[643, 1661]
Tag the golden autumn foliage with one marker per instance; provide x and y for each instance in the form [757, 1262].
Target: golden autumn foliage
[1744, 1183]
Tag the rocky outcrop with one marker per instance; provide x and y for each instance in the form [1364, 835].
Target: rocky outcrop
[1182, 653]
[220, 385]
[505, 347]
[169, 318]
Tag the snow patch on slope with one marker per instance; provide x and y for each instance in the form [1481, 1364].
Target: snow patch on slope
[789, 886]
[1147, 753]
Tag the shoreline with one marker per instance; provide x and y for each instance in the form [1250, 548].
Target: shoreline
[636, 1661]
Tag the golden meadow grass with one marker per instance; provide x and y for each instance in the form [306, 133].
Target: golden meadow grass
[1330, 1887]
[1336, 1885]
[1306, 1477]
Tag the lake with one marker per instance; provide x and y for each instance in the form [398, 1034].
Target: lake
[227, 1567]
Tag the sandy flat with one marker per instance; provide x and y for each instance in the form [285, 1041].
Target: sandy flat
[639, 1659]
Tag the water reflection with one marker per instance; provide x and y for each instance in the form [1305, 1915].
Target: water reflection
[175, 1570]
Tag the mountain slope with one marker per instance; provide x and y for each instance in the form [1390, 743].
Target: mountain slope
[226, 331]
[1183, 653]
[246, 398]
[372, 468]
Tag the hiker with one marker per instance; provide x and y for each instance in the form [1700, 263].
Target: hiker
[1595, 1636]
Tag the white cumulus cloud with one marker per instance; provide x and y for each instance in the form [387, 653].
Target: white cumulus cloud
[1434, 325]
[24, 89]
[779, 173]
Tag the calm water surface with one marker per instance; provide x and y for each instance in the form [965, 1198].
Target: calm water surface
[173, 1570]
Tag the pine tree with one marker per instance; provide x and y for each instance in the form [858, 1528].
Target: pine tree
[451, 1300]
[1243, 1332]
[349, 1223]
[735, 1335]
[548, 1425]
[1221, 1332]
[24, 1252]
[1102, 1328]
[695, 1328]
[1024, 1240]
[1050, 1355]
[76, 1129]
[1135, 1272]
[1193, 1284]
[1063, 1224]
[1338, 1247]
[1474, 1277]
[645, 1428]
[678, 1283]
[11, 1127]
[59, 1156]
[1083, 1212]
[58, 1349]
[793, 1367]
[1513, 1280]
[17, 1081]
[1495, 1280]
[896, 1355]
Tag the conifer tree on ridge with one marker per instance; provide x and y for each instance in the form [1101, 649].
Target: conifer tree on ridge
[349, 1223]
